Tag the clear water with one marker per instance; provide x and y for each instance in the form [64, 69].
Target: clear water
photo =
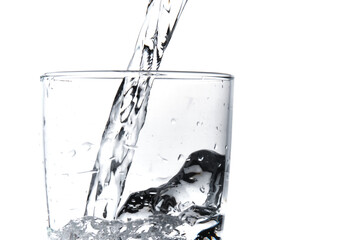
[188, 205]
[129, 109]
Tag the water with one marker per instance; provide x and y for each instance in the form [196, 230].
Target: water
[129, 109]
[188, 205]
[151, 228]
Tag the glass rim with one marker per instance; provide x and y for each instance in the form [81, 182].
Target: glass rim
[119, 74]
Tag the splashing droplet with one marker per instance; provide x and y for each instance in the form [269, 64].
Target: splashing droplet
[181, 157]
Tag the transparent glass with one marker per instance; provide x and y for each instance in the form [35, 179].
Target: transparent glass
[177, 181]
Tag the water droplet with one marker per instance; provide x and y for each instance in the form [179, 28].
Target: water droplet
[181, 157]
[199, 123]
[217, 128]
[173, 121]
[201, 158]
[202, 189]
[215, 146]
[164, 159]
[226, 147]
[87, 145]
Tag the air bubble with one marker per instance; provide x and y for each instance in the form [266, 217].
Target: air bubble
[168, 227]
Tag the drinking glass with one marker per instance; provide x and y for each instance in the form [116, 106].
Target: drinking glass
[174, 161]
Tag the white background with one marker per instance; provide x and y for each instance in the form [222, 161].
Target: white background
[296, 128]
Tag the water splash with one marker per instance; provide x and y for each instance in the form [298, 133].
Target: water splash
[172, 211]
[129, 110]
